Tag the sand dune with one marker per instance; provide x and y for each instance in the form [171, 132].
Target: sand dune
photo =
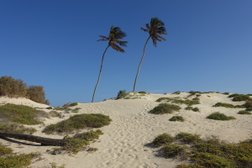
[132, 127]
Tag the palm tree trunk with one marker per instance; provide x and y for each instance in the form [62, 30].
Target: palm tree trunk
[140, 64]
[32, 138]
[102, 60]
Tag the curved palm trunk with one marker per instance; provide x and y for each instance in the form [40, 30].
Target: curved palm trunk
[102, 60]
[140, 64]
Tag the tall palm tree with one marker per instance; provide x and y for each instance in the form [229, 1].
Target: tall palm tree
[156, 28]
[114, 40]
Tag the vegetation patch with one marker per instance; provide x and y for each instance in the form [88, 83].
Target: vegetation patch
[70, 105]
[177, 100]
[209, 153]
[10, 160]
[187, 138]
[177, 118]
[20, 114]
[79, 142]
[17, 88]
[164, 108]
[195, 109]
[239, 97]
[220, 116]
[244, 112]
[227, 105]
[78, 122]
[16, 128]
[177, 92]
[121, 94]
[162, 139]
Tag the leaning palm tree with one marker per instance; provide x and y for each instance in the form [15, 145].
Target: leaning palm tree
[156, 28]
[114, 40]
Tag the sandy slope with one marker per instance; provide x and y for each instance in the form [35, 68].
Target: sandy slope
[123, 142]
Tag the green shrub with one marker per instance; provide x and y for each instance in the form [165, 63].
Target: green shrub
[20, 114]
[4, 150]
[16, 128]
[121, 94]
[195, 109]
[164, 108]
[244, 112]
[210, 153]
[12, 88]
[179, 101]
[172, 150]
[78, 122]
[239, 97]
[70, 105]
[227, 105]
[248, 105]
[219, 116]
[187, 138]
[162, 139]
[177, 118]
[80, 141]
[177, 92]
[142, 92]
[37, 94]
[210, 160]
[16, 161]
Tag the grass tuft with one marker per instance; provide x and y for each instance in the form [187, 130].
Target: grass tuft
[187, 138]
[244, 112]
[20, 114]
[195, 109]
[164, 108]
[162, 139]
[220, 116]
[16, 128]
[177, 118]
[227, 105]
[78, 122]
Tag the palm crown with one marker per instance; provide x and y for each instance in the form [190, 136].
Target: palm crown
[156, 28]
[115, 39]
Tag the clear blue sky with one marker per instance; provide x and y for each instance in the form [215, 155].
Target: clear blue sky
[53, 43]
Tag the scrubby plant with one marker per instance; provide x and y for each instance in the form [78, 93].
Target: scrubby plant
[12, 87]
[220, 116]
[227, 105]
[177, 118]
[11, 160]
[78, 122]
[54, 165]
[187, 138]
[164, 108]
[177, 92]
[248, 105]
[20, 114]
[195, 109]
[142, 92]
[239, 97]
[244, 112]
[178, 101]
[172, 150]
[121, 94]
[162, 139]
[16, 128]
[70, 105]
[37, 94]
[209, 153]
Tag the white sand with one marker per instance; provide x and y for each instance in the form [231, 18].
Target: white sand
[123, 142]
[21, 101]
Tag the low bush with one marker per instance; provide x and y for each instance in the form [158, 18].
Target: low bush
[244, 112]
[210, 153]
[164, 108]
[177, 118]
[187, 138]
[121, 94]
[177, 92]
[239, 97]
[179, 101]
[70, 105]
[11, 160]
[195, 109]
[37, 94]
[20, 114]
[78, 122]
[227, 105]
[12, 87]
[220, 116]
[16, 128]
[172, 150]
[162, 139]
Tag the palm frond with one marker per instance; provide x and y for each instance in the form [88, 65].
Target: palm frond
[116, 47]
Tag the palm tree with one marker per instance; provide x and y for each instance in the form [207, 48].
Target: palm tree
[156, 28]
[114, 40]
